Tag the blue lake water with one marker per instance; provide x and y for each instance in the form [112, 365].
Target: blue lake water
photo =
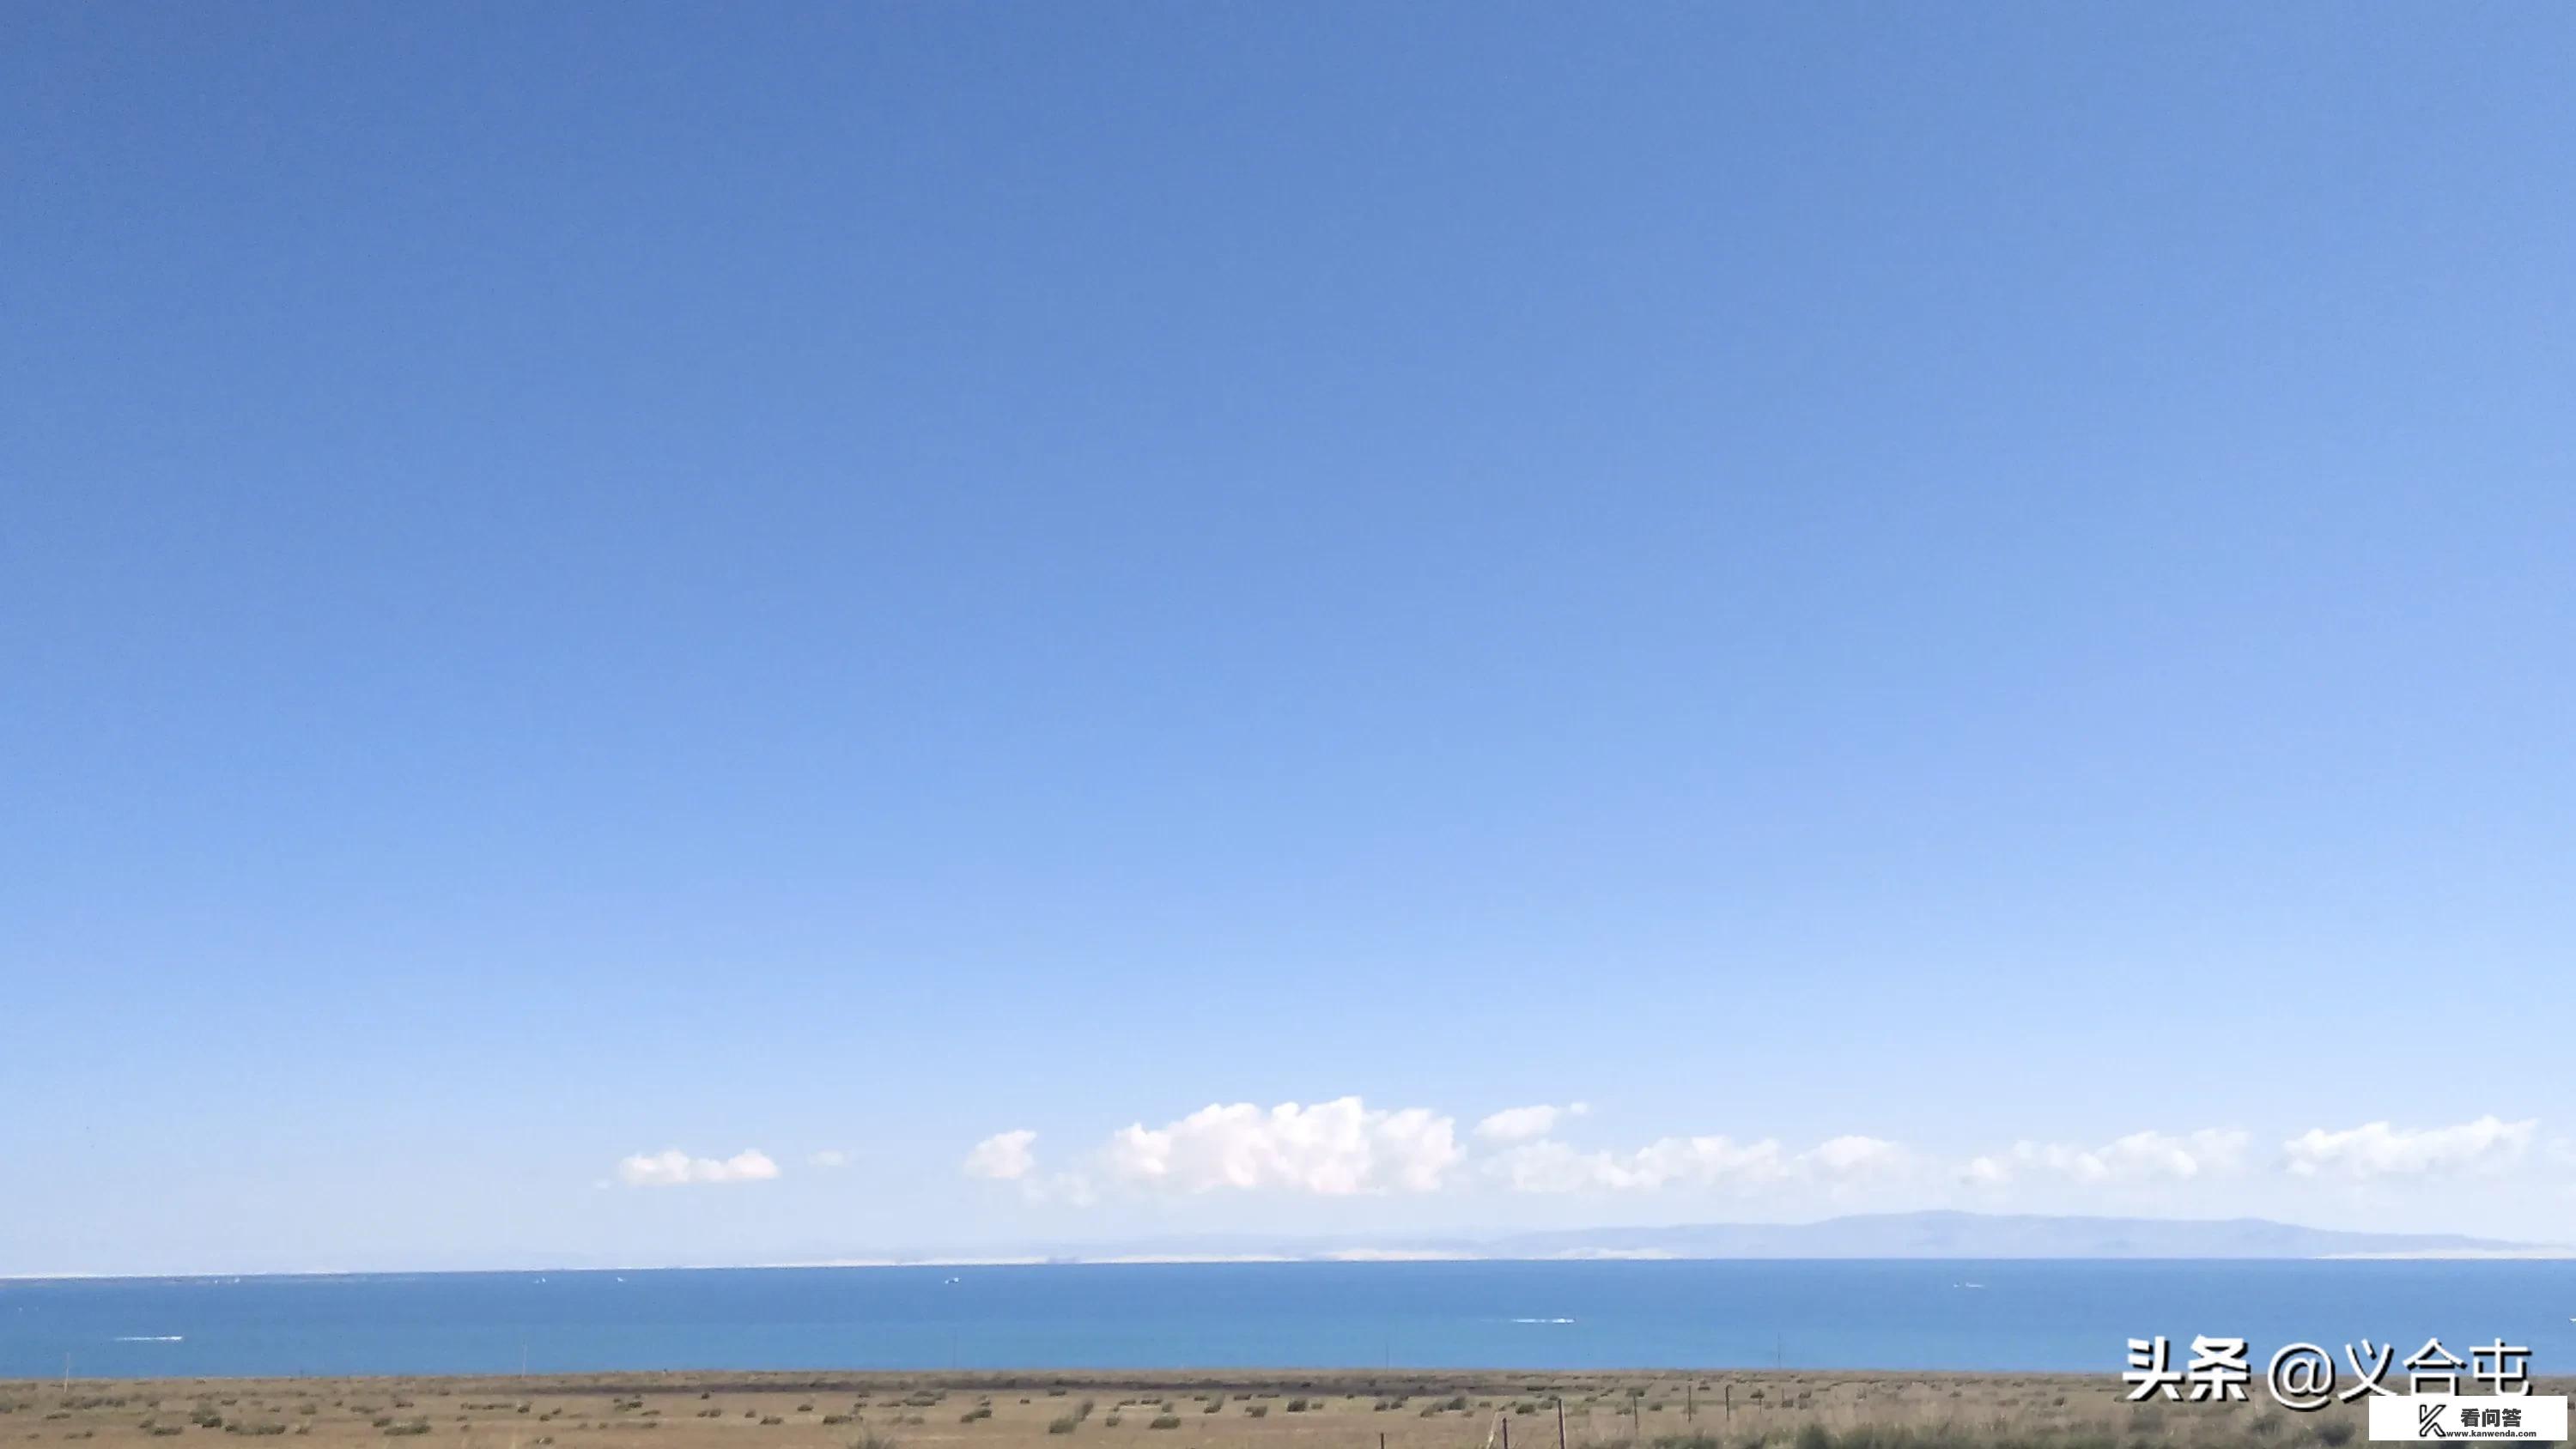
[1846, 1315]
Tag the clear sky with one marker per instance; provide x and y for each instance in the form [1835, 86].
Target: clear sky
[1978, 601]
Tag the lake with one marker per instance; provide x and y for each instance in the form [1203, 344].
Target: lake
[1886, 1314]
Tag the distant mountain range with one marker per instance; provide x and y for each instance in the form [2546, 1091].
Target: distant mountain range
[1874, 1235]
[1983, 1235]
[1877, 1235]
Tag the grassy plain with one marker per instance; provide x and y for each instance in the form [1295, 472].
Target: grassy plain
[1394, 1409]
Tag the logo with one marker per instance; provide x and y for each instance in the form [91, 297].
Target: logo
[2529, 1418]
[2301, 1377]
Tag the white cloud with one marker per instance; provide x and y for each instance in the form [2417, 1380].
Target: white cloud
[1986, 1172]
[1550, 1166]
[1854, 1157]
[1708, 1162]
[1520, 1124]
[674, 1168]
[2375, 1149]
[2138, 1157]
[1333, 1148]
[2207, 1152]
[1344, 1147]
[1691, 1161]
[829, 1157]
[1003, 1157]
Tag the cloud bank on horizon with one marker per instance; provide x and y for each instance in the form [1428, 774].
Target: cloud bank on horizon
[2376, 1149]
[674, 1168]
[1345, 1148]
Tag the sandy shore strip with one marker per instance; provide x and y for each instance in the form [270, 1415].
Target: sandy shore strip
[1174, 1409]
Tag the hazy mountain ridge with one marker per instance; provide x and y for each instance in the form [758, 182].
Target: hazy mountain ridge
[1922, 1235]
[1934, 1234]
[1982, 1235]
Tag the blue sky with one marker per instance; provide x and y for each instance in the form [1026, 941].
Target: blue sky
[1974, 601]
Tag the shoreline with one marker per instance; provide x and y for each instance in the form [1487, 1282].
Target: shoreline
[2531, 1254]
[1169, 1409]
[1517, 1381]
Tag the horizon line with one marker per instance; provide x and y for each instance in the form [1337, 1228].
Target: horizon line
[2536, 1252]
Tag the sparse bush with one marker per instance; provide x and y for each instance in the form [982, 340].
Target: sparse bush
[1064, 1424]
[1165, 1421]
